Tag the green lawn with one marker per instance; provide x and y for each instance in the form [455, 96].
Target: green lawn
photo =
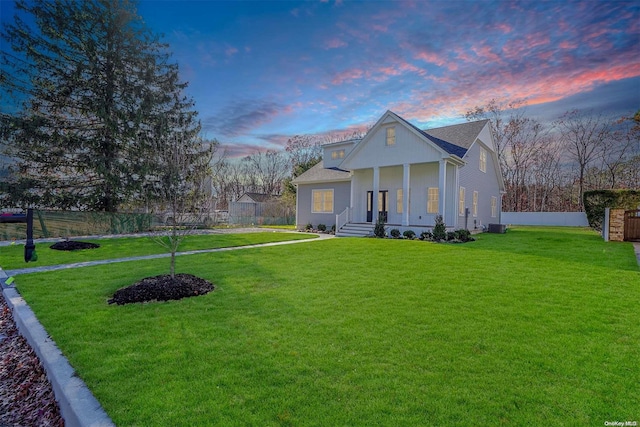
[533, 327]
[12, 257]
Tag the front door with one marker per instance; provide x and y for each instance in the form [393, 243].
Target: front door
[382, 205]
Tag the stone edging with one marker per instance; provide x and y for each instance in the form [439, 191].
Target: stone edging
[78, 406]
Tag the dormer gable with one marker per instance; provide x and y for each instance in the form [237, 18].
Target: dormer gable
[333, 154]
[392, 141]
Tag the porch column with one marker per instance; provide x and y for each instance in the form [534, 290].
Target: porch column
[442, 188]
[376, 190]
[352, 199]
[406, 169]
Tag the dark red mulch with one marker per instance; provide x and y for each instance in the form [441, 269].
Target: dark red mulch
[73, 245]
[162, 288]
[26, 397]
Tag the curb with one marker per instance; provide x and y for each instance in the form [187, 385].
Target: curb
[78, 406]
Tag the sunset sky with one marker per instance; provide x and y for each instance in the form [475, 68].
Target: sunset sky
[262, 71]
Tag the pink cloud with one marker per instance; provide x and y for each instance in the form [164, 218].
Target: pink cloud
[567, 45]
[437, 59]
[362, 35]
[390, 71]
[486, 53]
[398, 69]
[520, 47]
[380, 28]
[347, 75]
[503, 27]
[230, 51]
[335, 43]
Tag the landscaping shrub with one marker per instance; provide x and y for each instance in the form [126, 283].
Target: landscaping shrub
[322, 227]
[395, 233]
[596, 201]
[308, 227]
[426, 235]
[378, 230]
[440, 229]
[451, 235]
[333, 228]
[409, 234]
[463, 235]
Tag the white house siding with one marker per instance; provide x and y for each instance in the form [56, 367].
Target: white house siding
[373, 151]
[422, 176]
[341, 195]
[473, 179]
[329, 161]
[451, 211]
[361, 182]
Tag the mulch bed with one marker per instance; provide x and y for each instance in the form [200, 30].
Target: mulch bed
[26, 397]
[162, 288]
[73, 245]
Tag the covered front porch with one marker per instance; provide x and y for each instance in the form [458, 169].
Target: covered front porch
[407, 196]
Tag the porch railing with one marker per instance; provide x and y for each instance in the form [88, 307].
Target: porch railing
[343, 218]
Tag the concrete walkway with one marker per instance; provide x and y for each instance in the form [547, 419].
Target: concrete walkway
[28, 270]
[636, 248]
[78, 406]
[215, 231]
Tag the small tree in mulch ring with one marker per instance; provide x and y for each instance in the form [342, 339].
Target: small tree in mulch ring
[73, 245]
[162, 288]
[180, 187]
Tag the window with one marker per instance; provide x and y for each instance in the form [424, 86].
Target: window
[322, 201]
[337, 154]
[399, 200]
[475, 203]
[391, 136]
[494, 206]
[483, 160]
[461, 202]
[432, 200]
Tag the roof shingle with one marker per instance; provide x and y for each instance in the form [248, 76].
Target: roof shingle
[318, 173]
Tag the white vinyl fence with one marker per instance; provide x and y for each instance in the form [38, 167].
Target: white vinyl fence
[570, 219]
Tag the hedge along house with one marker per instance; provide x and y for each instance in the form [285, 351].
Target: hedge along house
[406, 176]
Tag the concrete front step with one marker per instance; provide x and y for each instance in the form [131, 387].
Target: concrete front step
[355, 230]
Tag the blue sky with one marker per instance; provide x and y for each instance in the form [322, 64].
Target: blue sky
[262, 71]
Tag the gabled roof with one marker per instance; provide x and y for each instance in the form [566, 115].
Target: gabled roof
[319, 174]
[454, 139]
[462, 135]
[257, 197]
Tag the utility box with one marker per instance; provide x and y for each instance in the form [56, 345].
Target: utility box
[497, 228]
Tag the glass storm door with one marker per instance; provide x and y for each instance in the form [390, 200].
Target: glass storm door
[383, 210]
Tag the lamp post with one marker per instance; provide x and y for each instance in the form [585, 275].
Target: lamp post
[29, 248]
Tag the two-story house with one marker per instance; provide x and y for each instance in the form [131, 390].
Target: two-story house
[407, 176]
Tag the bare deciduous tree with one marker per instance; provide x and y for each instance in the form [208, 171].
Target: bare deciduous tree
[584, 137]
[182, 186]
[265, 171]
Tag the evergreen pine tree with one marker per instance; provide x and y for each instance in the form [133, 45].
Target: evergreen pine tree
[94, 93]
